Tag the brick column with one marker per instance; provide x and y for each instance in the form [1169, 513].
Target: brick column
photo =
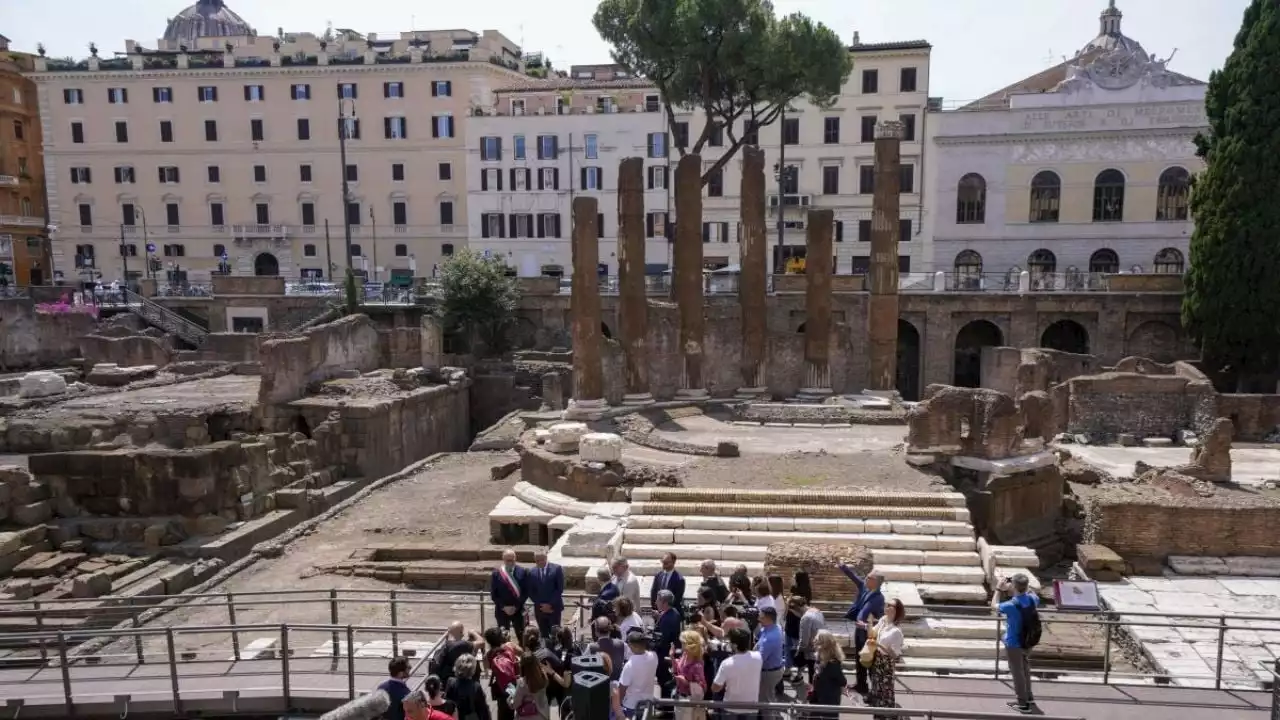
[633, 302]
[688, 275]
[882, 326]
[584, 308]
[752, 282]
[819, 227]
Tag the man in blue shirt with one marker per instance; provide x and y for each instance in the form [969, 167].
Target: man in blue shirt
[868, 606]
[772, 646]
[1019, 663]
[396, 688]
[546, 591]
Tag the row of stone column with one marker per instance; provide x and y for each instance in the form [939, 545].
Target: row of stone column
[752, 287]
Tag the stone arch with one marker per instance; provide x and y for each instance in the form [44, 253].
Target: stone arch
[908, 380]
[974, 336]
[266, 264]
[1066, 336]
[1156, 340]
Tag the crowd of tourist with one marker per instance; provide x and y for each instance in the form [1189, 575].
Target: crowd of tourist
[738, 640]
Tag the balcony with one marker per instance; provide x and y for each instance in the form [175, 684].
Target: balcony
[22, 221]
[8, 181]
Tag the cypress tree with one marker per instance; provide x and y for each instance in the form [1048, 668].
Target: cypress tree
[1232, 302]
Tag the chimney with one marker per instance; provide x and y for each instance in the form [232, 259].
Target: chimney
[856, 40]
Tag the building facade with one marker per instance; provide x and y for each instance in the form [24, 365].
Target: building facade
[222, 153]
[1079, 171]
[594, 117]
[24, 239]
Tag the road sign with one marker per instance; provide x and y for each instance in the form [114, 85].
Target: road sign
[151, 247]
[488, 254]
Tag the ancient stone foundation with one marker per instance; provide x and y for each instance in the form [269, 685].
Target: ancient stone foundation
[337, 349]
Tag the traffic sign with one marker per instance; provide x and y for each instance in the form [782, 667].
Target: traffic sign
[488, 254]
[151, 247]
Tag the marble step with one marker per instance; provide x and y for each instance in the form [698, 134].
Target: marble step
[796, 510]
[755, 555]
[791, 497]
[707, 522]
[874, 541]
[880, 556]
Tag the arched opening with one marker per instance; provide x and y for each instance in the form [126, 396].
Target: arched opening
[266, 264]
[1042, 264]
[1154, 339]
[1108, 196]
[968, 354]
[1104, 261]
[1067, 336]
[908, 380]
[971, 200]
[1173, 197]
[1169, 260]
[968, 270]
[605, 331]
[1046, 196]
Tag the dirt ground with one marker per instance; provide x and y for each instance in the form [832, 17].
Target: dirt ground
[866, 470]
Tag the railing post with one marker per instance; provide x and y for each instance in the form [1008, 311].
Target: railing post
[44, 653]
[173, 672]
[481, 612]
[351, 663]
[1222, 640]
[231, 620]
[284, 668]
[137, 637]
[395, 622]
[333, 619]
[999, 642]
[66, 675]
[1275, 690]
[1106, 652]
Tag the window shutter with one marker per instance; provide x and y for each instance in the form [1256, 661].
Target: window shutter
[448, 87]
[339, 91]
[161, 174]
[451, 128]
[246, 92]
[542, 225]
[433, 89]
[88, 177]
[557, 217]
[649, 178]
[527, 179]
[124, 95]
[386, 89]
[484, 179]
[484, 225]
[839, 231]
[540, 185]
[386, 128]
[706, 232]
[66, 97]
[512, 220]
[499, 176]
[555, 184]
[555, 146]
[648, 225]
[666, 176]
[583, 172]
[499, 147]
[599, 225]
[864, 231]
[404, 128]
[724, 231]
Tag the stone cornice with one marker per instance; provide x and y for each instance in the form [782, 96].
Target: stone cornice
[1079, 136]
[216, 73]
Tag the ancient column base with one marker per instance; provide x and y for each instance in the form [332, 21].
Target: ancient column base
[812, 396]
[692, 394]
[637, 399]
[751, 393]
[817, 382]
[585, 409]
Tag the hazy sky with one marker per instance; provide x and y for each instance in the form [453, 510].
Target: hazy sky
[978, 45]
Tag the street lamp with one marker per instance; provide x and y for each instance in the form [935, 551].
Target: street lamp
[346, 191]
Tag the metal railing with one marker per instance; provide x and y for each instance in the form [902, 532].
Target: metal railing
[164, 318]
[649, 709]
[1013, 281]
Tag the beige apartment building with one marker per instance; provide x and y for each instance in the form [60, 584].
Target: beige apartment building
[219, 151]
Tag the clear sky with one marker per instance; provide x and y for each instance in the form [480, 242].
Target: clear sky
[979, 45]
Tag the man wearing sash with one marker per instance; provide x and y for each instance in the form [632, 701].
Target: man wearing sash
[509, 590]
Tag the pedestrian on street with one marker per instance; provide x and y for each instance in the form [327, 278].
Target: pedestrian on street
[1021, 635]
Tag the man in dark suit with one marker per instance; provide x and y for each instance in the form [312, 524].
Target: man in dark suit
[546, 591]
[603, 605]
[867, 607]
[668, 579]
[666, 630]
[509, 590]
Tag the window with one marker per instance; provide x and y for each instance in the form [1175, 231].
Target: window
[657, 145]
[166, 131]
[591, 146]
[548, 225]
[1173, 195]
[680, 134]
[309, 215]
[86, 216]
[304, 129]
[831, 180]
[446, 212]
[491, 149]
[353, 213]
[128, 214]
[73, 96]
[22, 166]
[562, 106]
[171, 214]
[168, 175]
[117, 96]
[652, 103]
[254, 93]
[84, 253]
[353, 173]
[491, 225]
[716, 137]
[162, 95]
[400, 213]
[395, 128]
[521, 225]
[715, 232]
[129, 250]
[392, 89]
[401, 250]
[356, 250]
[839, 231]
[519, 178]
[548, 147]
[517, 147]
[906, 179]
[656, 224]
[442, 88]
[791, 131]
[350, 128]
[870, 82]
[259, 173]
[77, 132]
[715, 183]
[304, 173]
[211, 130]
[309, 250]
[1040, 263]
[26, 211]
[255, 129]
[216, 219]
[907, 80]
[124, 175]
[968, 270]
[219, 250]
[347, 91]
[591, 178]
[604, 104]
[904, 230]
[864, 231]
[791, 181]
[1046, 195]
[397, 172]
[122, 131]
[517, 106]
[446, 249]
[1108, 196]
[81, 176]
[866, 179]
[908, 127]
[868, 128]
[1104, 261]
[215, 174]
[657, 176]
[971, 200]
[1169, 260]
[444, 171]
[300, 92]
[831, 130]
[17, 129]
[549, 179]
[442, 126]
[207, 93]
[174, 250]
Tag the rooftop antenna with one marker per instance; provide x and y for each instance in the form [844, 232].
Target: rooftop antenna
[1048, 59]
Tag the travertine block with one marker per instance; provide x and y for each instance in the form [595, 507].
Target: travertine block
[41, 384]
[600, 447]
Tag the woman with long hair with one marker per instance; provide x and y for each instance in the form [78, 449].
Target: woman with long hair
[530, 699]
[828, 679]
[889, 642]
[691, 676]
[502, 659]
[429, 703]
[464, 690]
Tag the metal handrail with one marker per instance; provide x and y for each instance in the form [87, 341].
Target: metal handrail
[646, 707]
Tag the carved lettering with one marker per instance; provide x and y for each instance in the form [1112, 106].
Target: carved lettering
[1185, 114]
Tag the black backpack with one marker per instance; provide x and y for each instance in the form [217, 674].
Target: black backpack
[1031, 628]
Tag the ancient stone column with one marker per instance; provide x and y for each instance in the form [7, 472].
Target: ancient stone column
[882, 318]
[584, 308]
[688, 275]
[819, 227]
[752, 282]
[633, 301]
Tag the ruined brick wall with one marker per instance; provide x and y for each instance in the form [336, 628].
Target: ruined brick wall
[229, 347]
[1015, 371]
[128, 351]
[1145, 405]
[30, 340]
[562, 474]
[320, 353]
[1019, 509]
[400, 347]
[1158, 527]
[1255, 416]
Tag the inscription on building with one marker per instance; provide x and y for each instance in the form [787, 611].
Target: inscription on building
[1143, 116]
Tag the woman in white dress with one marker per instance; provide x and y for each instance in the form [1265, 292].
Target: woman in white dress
[889, 644]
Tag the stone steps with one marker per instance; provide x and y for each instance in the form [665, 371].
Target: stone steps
[875, 525]
[881, 556]
[799, 497]
[874, 541]
[798, 510]
[754, 556]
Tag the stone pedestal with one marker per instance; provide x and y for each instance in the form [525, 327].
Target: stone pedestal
[752, 282]
[688, 274]
[883, 281]
[588, 374]
[817, 320]
[633, 302]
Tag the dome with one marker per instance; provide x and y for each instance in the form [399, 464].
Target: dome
[1110, 38]
[207, 18]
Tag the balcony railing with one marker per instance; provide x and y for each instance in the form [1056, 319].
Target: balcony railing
[8, 181]
[22, 221]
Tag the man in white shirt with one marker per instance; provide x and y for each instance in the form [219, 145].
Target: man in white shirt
[739, 675]
[639, 674]
[628, 584]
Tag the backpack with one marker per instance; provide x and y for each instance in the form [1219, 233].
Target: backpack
[1029, 637]
[503, 669]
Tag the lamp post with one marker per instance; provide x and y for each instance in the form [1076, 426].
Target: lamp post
[352, 301]
[146, 241]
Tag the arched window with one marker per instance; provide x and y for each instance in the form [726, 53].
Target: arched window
[971, 200]
[1046, 196]
[1169, 260]
[1104, 261]
[1108, 196]
[1173, 198]
[968, 271]
[1041, 262]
